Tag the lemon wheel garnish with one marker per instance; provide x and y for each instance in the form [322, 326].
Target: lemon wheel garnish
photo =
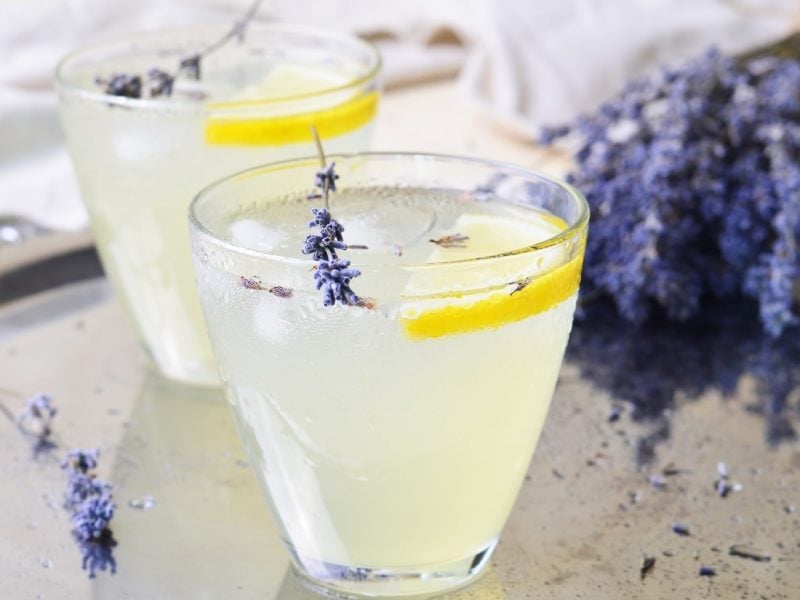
[294, 128]
[498, 308]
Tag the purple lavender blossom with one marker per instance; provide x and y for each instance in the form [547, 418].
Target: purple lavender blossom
[160, 82]
[98, 553]
[333, 278]
[80, 487]
[325, 178]
[92, 516]
[81, 461]
[123, 85]
[92, 505]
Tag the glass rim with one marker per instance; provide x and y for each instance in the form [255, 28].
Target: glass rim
[63, 82]
[572, 231]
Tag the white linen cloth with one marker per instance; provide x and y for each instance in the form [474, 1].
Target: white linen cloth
[523, 63]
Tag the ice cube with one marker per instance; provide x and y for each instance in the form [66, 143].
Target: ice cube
[256, 236]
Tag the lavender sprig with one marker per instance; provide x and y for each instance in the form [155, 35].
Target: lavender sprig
[161, 82]
[36, 422]
[92, 505]
[89, 499]
[333, 278]
[332, 275]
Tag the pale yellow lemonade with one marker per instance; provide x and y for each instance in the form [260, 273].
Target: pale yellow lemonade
[397, 435]
[140, 161]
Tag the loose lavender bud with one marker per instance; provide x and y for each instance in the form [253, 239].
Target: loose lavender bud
[707, 571]
[333, 278]
[325, 178]
[160, 83]
[680, 529]
[190, 67]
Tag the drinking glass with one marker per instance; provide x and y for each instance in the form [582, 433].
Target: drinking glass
[139, 161]
[391, 436]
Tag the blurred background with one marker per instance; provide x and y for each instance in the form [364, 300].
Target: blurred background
[515, 64]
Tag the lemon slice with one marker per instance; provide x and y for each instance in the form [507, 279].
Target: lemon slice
[243, 122]
[531, 287]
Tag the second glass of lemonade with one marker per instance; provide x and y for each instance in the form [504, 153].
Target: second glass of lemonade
[391, 435]
[140, 160]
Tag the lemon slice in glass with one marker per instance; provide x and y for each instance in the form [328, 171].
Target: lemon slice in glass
[516, 287]
[281, 109]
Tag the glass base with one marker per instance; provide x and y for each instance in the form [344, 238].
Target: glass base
[345, 581]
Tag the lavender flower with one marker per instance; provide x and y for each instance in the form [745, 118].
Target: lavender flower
[693, 177]
[321, 218]
[190, 67]
[92, 505]
[325, 245]
[325, 178]
[333, 278]
[81, 461]
[123, 85]
[161, 82]
[92, 517]
[98, 553]
[36, 422]
[331, 274]
[80, 487]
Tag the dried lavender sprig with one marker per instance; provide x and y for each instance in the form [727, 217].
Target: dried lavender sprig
[35, 422]
[332, 275]
[160, 81]
[333, 278]
[92, 505]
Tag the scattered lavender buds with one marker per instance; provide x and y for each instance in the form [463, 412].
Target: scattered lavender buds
[680, 529]
[92, 505]
[707, 571]
[254, 283]
[693, 178]
[331, 274]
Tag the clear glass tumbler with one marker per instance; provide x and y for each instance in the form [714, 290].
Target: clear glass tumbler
[139, 161]
[391, 436]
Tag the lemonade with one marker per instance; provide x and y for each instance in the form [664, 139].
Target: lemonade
[391, 438]
[139, 161]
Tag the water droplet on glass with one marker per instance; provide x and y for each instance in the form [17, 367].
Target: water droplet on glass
[45, 562]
